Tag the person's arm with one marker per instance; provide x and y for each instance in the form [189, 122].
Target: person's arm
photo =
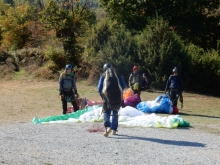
[122, 82]
[100, 84]
[167, 85]
[60, 88]
[146, 79]
[180, 84]
[140, 78]
[129, 80]
[74, 85]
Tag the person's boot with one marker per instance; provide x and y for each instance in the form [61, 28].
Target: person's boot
[107, 132]
[114, 132]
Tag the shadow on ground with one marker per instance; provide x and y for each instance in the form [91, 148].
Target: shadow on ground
[162, 141]
[198, 115]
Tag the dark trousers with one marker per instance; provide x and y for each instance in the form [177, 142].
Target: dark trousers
[174, 95]
[144, 85]
[68, 96]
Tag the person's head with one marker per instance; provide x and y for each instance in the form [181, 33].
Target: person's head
[106, 66]
[175, 71]
[135, 69]
[68, 68]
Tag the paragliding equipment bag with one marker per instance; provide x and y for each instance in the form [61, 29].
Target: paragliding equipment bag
[112, 91]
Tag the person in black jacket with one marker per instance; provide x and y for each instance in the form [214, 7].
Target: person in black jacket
[67, 88]
[135, 77]
[174, 87]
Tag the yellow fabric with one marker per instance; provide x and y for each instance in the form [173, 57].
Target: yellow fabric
[136, 86]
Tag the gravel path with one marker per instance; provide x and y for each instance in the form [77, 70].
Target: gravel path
[72, 143]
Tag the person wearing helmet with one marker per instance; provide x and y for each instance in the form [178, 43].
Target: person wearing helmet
[174, 87]
[67, 88]
[134, 77]
[110, 87]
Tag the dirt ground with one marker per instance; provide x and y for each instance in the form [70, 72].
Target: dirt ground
[21, 100]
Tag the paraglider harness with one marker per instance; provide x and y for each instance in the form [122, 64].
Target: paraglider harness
[70, 98]
[69, 94]
[111, 92]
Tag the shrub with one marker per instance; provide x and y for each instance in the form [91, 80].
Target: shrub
[159, 50]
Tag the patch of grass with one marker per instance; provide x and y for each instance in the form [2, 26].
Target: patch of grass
[19, 75]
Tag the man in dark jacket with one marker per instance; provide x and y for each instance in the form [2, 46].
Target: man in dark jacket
[67, 88]
[110, 88]
[174, 87]
[134, 77]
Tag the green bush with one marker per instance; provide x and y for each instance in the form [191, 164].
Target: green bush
[110, 42]
[159, 50]
[56, 58]
[204, 76]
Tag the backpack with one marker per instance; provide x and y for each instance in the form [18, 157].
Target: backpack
[112, 91]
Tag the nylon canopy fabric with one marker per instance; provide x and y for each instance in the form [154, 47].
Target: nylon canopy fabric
[128, 116]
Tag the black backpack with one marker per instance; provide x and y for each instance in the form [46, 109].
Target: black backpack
[112, 91]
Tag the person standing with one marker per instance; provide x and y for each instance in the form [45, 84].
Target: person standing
[110, 88]
[144, 82]
[174, 87]
[67, 88]
[134, 77]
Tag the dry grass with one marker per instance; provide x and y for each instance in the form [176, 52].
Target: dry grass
[24, 98]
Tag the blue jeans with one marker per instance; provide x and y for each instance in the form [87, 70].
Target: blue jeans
[112, 124]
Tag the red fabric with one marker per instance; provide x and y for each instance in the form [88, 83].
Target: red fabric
[175, 110]
[70, 109]
[91, 103]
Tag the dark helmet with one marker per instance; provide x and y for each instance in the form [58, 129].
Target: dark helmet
[106, 66]
[175, 69]
[68, 66]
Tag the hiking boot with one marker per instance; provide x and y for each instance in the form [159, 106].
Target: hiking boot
[108, 131]
[114, 132]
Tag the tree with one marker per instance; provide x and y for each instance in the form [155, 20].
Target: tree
[111, 42]
[70, 21]
[159, 50]
[195, 20]
[11, 2]
[14, 26]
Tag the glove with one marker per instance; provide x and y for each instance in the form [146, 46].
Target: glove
[76, 94]
[60, 95]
